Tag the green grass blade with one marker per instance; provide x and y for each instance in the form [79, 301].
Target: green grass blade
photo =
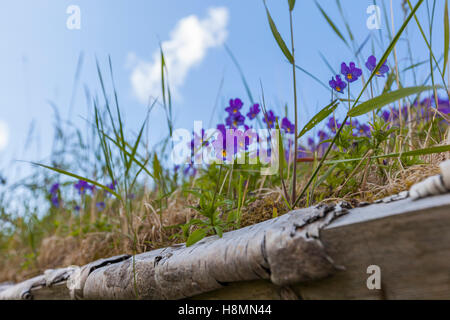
[119, 145]
[163, 63]
[349, 31]
[278, 37]
[322, 114]
[312, 76]
[332, 25]
[418, 64]
[67, 173]
[446, 36]
[134, 149]
[119, 117]
[385, 99]
[325, 176]
[362, 45]
[236, 63]
[324, 59]
[418, 152]
[427, 43]
[291, 4]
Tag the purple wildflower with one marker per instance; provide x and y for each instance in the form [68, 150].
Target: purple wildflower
[100, 205]
[220, 147]
[363, 129]
[254, 111]
[222, 129]
[386, 115]
[271, 119]
[235, 106]
[443, 106]
[55, 201]
[338, 85]
[351, 72]
[311, 144]
[54, 188]
[287, 125]
[82, 186]
[322, 135]
[372, 63]
[112, 185]
[235, 120]
[333, 124]
[240, 142]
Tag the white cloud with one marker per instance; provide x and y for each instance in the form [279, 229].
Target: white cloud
[4, 135]
[189, 41]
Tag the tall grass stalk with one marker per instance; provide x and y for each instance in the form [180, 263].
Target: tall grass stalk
[294, 80]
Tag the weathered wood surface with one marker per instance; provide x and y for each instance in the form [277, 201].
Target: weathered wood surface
[409, 240]
[283, 258]
[285, 250]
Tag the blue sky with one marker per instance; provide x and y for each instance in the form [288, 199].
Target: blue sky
[39, 57]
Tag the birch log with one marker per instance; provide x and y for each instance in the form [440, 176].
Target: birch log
[285, 250]
[282, 258]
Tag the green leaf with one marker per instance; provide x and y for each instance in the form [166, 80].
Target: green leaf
[278, 37]
[325, 176]
[385, 99]
[415, 65]
[331, 23]
[322, 114]
[282, 160]
[157, 169]
[418, 152]
[291, 4]
[219, 231]
[196, 236]
[446, 36]
[232, 216]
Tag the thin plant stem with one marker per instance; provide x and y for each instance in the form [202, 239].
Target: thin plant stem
[294, 173]
[400, 116]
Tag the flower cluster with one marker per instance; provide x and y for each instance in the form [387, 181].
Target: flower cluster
[351, 73]
[423, 110]
[239, 133]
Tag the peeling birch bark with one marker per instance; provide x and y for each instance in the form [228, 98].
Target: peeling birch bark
[52, 280]
[280, 258]
[286, 250]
